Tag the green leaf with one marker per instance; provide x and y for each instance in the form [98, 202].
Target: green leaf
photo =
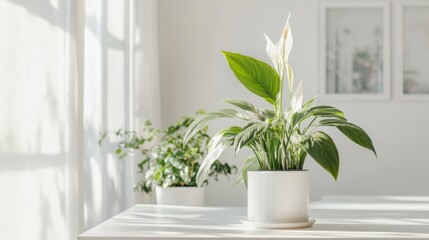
[326, 111]
[231, 131]
[250, 164]
[102, 137]
[269, 113]
[250, 108]
[316, 111]
[309, 102]
[124, 154]
[242, 104]
[118, 151]
[202, 121]
[297, 117]
[353, 132]
[257, 76]
[322, 149]
[261, 114]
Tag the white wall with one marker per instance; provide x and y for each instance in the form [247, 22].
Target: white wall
[146, 85]
[195, 75]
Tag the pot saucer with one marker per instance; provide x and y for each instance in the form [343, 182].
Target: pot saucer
[309, 223]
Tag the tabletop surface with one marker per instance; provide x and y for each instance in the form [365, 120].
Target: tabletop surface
[343, 217]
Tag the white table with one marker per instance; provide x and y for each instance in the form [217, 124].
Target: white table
[342, 217]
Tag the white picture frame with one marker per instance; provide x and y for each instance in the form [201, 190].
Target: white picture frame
[350, 89]
[404, 69]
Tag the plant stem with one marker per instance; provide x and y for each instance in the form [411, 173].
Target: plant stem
[290, 81]
[288, 136]
[279, 110]
[279, 114]
[309, 125]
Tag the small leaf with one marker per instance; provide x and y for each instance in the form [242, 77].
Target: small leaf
[102, 137]
[123, 155]
[322, 149]
[257, 76]
[118, 151]
[119, 132]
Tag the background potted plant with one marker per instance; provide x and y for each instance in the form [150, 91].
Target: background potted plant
[280, 139]
[168, 166]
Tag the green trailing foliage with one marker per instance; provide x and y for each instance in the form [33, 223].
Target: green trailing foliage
[280, 139]
[165, 160]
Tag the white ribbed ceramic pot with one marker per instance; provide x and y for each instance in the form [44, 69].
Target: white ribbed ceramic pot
[182, 196]
[277, 196]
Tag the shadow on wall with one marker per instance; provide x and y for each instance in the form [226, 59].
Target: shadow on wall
[55, 12]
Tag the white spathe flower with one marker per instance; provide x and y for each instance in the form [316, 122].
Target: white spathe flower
[296, 103]
[279, 53]
[272, 52]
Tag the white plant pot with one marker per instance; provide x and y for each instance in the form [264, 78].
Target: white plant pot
[277, 197]
[182, 196]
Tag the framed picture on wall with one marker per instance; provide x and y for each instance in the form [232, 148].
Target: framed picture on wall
[354, 50]
[412, 44]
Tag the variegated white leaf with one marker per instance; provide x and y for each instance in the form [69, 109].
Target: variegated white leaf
[212, 155]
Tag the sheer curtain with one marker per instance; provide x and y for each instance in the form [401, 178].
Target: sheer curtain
[121, 90]
[69, 70]
[107, 107]
[39, 131]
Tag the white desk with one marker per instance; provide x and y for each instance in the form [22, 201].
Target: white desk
[337, 217]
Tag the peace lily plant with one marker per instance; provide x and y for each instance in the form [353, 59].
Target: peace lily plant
[280, 139]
